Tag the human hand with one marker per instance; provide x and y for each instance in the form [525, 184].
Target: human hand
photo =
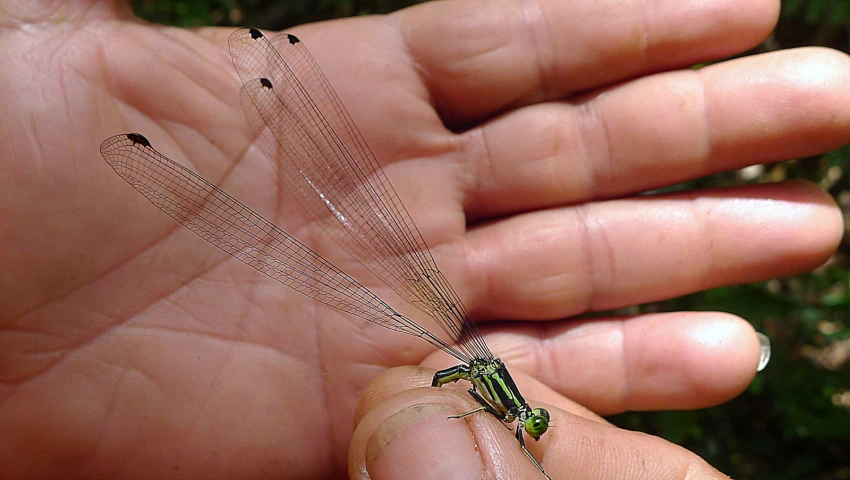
[132, 349]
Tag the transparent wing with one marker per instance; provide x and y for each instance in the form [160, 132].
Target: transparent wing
[322, 159]
[237, 230]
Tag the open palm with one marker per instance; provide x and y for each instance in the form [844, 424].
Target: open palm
[133, 349]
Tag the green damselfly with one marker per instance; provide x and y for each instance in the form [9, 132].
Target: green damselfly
[323, 161]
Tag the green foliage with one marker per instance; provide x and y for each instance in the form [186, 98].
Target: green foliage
[794, 420]
[186, 13]
[271, 14]
[836, 12]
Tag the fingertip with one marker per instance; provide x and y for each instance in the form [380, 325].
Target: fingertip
[689, 360]
[735, 345]
[403, 430]
[420, 441]
[812, 221]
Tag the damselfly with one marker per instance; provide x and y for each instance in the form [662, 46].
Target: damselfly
[322, 159]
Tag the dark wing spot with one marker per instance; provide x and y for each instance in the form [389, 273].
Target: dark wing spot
[255, 34]
[138, 139]
[292, 39]
[266, 82]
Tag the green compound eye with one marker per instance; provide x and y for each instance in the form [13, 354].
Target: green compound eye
[538, 423]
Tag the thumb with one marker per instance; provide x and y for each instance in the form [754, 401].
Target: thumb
[403, 431]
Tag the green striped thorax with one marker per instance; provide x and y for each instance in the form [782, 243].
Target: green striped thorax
[495, 390]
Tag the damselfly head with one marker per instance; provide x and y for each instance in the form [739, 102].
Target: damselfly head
[537, 424]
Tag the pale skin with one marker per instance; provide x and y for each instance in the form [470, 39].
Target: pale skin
[129, 348]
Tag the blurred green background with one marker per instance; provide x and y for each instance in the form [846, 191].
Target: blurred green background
[794, 420]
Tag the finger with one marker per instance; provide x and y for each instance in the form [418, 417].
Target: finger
[483, 56]
[682, 360]
[600, 256]
[20, 12]
[659, 131]
[403, 433]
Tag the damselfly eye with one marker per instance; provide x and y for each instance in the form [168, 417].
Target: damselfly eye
[538, 423]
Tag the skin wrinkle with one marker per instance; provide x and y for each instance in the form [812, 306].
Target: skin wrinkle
[211, 336]
[594, 234]
[222, 366]
[166, 121]
[708, 253]
[597, 165]
[462, 170]
[177, 68]
[22, 329]
[67, 102]
[692, 465]
[434, 98]
[112, 401]
[110, 410]
[397, 25]
[206, 335]
[325, 373]
[35, 145]
[38, 127]
[553, 366]
[643, 40]
[217, 53]
[555, 158]
[487, 277]
[476, 169]
[556, 152]
[14, 384]
[705, 149]
[117, 322]
[249, 295]
[216, 381]
[594, 180]
[530, 22]
[147, 271]
[444, 109]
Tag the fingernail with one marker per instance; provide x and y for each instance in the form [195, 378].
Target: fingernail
[420, 442]
[764, 358]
